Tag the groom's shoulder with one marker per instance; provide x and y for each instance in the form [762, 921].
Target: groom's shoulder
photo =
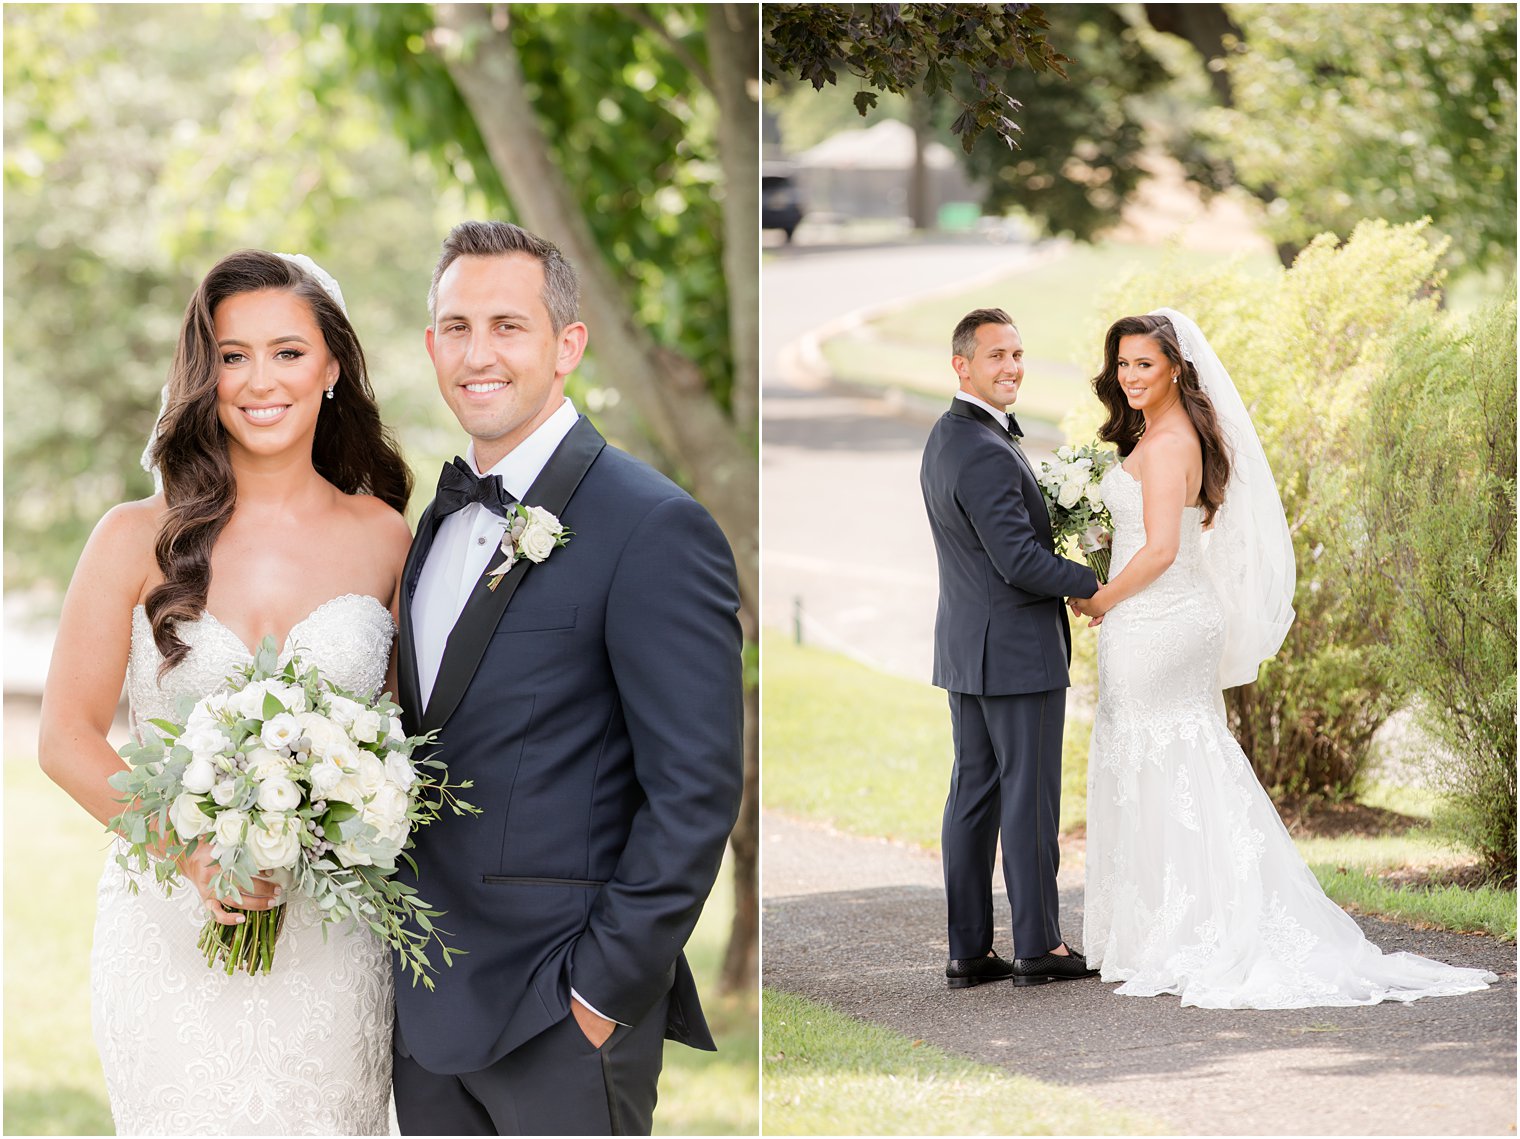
[632, 479]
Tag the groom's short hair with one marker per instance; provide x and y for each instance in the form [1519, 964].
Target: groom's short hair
[963, 342]
[562, 291]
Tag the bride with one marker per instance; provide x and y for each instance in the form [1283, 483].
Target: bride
[279, 516]
[1193, 885]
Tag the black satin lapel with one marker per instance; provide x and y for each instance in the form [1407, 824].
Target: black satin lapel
[407, 680]
[477, 622]
[980, 415]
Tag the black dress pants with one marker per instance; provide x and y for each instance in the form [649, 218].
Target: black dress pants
[554, 1084]
[1007, 778]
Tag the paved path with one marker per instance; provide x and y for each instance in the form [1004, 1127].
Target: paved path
[843, 521]
[866, 937]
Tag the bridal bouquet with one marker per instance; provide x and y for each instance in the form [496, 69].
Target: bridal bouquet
[291, 778]
[1075, 502]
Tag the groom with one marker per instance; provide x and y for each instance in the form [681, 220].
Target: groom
[1001, 648]
[593, 696]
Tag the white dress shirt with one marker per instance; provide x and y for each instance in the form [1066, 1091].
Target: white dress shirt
[466, 543]
[469, 540]
[998, 413]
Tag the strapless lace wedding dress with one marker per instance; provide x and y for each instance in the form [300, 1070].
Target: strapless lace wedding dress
[1194, 886]
[188, 1050]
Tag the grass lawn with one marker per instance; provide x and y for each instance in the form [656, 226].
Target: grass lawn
[1053, 305]
[53, 1083]
[870, 754]
[867, 752]
[827, 1074]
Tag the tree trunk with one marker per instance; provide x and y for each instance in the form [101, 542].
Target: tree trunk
[733, 38]
[714, 450]
[918, 177]
[1206, 27]
[678, 409]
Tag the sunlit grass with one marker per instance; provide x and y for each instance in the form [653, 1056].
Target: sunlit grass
[871, 753]
[826, 1074]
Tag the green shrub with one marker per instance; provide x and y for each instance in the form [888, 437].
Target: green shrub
[1305, 349]
[1437, 501]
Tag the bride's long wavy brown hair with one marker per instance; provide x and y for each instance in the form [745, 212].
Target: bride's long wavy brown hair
[352, 448]
[1125, 425]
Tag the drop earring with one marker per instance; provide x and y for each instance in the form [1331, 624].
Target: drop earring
[330, 390]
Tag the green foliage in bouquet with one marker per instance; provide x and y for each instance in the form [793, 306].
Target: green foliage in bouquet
[295, 780]
[1436, 501]
[1306, 351]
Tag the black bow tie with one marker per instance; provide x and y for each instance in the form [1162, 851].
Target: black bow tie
[458, 486]
[1015, 432]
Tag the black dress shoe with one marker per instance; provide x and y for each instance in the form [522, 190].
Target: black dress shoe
[977, 971]
[1051, 967]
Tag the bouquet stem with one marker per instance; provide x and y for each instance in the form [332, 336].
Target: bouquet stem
[248, 946]
[1100, 560]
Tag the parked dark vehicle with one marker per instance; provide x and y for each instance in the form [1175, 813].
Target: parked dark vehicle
[780, 202]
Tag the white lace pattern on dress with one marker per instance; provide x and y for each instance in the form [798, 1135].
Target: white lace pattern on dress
[1194, 886]
[187, 1050]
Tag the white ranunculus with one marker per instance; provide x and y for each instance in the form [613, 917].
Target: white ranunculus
[187, 818]
[278, 794]
[228, 828]
[277, 844]
[199, 776]
[224, 792]
[1070, 494]
[265, 764]
[342, 710]
[399, 770]
[280, 731]
[367, 726]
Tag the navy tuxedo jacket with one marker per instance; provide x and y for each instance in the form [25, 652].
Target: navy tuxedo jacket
[1001, 628]
[595, 700]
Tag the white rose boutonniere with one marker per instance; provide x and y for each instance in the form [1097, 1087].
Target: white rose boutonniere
[533, 533]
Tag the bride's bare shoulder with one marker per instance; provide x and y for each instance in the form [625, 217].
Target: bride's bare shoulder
[382, 523]
[122, 543]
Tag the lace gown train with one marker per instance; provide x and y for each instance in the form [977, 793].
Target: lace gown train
[188, 1050]
[1194, 886]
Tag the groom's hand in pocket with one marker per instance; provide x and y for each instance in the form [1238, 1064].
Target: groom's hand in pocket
[596, 1028]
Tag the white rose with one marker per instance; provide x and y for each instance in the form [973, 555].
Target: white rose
[248, 702]
[342, 710]
[199, 776]
[367, 726]
[352, 853]
[328, 740]
[394, 732]
[387, 808]
[1070, 494]
[201, 717]
[537, 542]
[370, 772]
[278, 794]
[228, 828]
[399, 770]
[1095, 496]
[265, 764]
[280, 731]
[224, 792]
[277, 844]
[325, 777]
[187, 818]
[207, 743]
[293, 696]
